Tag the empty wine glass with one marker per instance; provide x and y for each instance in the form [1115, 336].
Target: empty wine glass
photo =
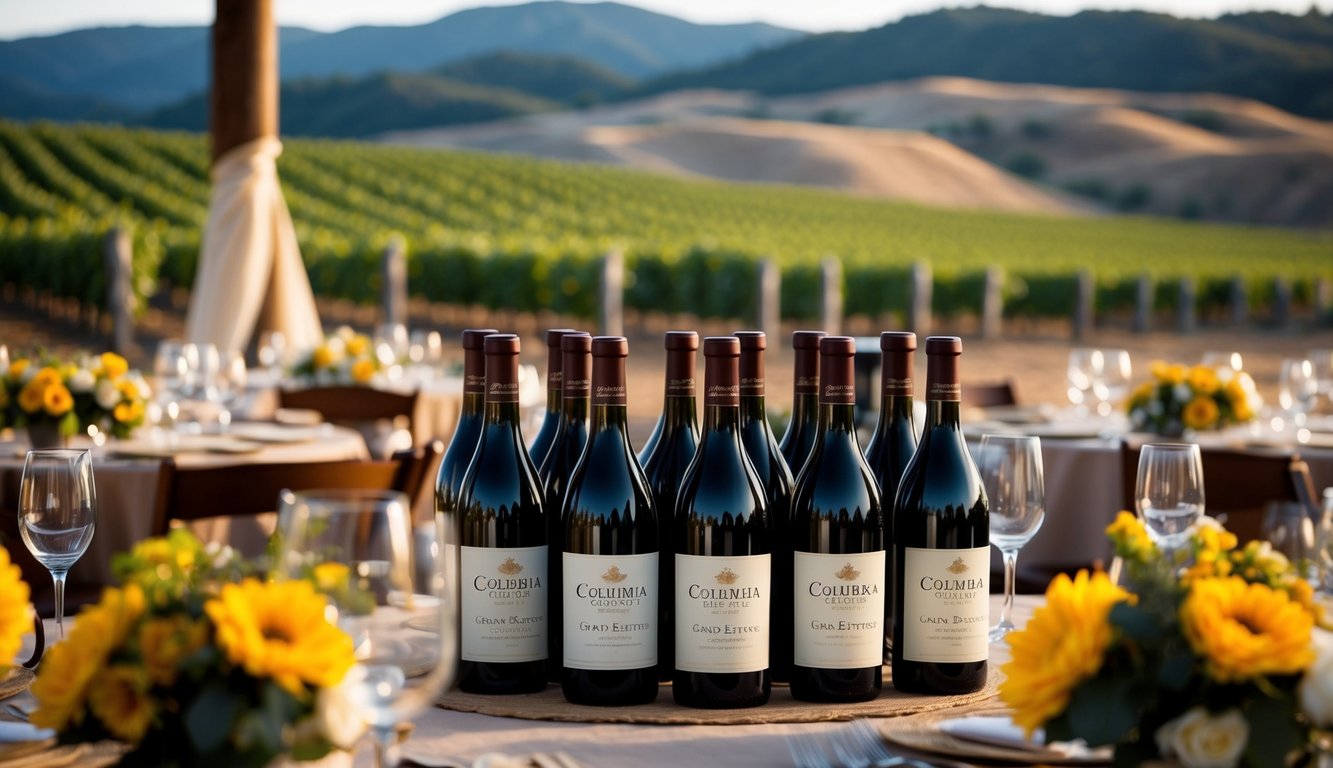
[1297, 388]
[57, 513]
[272, 355]
[1291, 530]
[1168, 493]
[1111, 378]
[231, 385]
[1080, 373]
[1011, 469]
[358, 546]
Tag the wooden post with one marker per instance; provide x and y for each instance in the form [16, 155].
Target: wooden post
[1143, 305]
[831, 306]
[1240, 302]
[770, 298]
[1282, 301]
[922, 285]
[1085, 297]
[394, 273]
[245, 74]
[612, 321]
[992, 303]
[1186, 317]
[117, 260]
[1323, 302]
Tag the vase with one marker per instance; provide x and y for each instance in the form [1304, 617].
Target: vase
[45, 434]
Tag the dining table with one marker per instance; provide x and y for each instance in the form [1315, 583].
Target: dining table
[125, 474]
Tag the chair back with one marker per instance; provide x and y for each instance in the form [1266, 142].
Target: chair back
[990, 393]
[353, 407]
[1237, 485]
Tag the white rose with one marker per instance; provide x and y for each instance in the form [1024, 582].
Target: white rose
[1316, 690]
[337, 712]
[83, 380]
[107, 395]
[1183, 393]
[29, 372]
[1200, 740]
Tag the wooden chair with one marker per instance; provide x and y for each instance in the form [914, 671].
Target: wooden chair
[1237, 485]
[987, 394]
[357, 407]
[249, 490]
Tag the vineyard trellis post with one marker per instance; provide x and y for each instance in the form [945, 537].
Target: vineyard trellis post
[831, 306]
[612, 305]
[1143, 304]
[770, 298]
[1282, 301]
[118, 255]
[920, 309]
[394, 271]
[1187, 306]
[1240, 302]
[1085, 294]
[1323, 301]
[992, 303]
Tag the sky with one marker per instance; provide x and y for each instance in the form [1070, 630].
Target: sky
[23, 18]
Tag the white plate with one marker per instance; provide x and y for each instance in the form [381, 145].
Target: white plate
[279, 434]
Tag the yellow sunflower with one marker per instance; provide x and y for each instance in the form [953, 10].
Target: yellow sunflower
[362, 371]
[279, 630]
[32, 397]
[1062, 645]
[1203, 379]
[47, 376]
[163, 643]
[1142, 394]
[1129, 536]
[357, 345]
[322, 357]
[63, 679]
[128, 413]
[1244, 631]
[113, 365]
[15, 612]
[18, 368]
[119, 697]
[57, 400]
[1200, 413]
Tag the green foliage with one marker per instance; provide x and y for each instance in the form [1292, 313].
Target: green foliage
[1028, 164]
[523, 234]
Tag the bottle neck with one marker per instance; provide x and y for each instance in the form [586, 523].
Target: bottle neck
[837, 417]
[722, 418]
[574, 409]
[943, 413]
[753, 409]
[680, 411]
[554, 402]
[895, 411]
[805, 407]
[503, 413]
[474, 403]
[609, 417]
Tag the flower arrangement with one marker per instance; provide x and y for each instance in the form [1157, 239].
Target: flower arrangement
[92, 390]
[1197, 397]
[1211, 657]
[15, 611]
[345, 357]
[194, 662]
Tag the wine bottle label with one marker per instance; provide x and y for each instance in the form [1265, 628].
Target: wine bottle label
[502, 392]
[838, 394]
[722, 613]
[575, 388]
[806, 385]
[503, 603]
[680, 387]
[553, 381]
[610, 611]
[752, 386]
[722, 395]
[894, 387]
[608, 394]
[946, 604]
[948, 391]
[839, 610]
[474, 383]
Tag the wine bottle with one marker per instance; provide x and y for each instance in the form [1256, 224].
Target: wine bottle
[566, 449]
[941, 533]
[891, 447]
[838, 549]
[503, 555]
[762, 448]
[449, 477]
[804, 425]
[722, 550]
[665, 460]
[541, 444]
[610, 554]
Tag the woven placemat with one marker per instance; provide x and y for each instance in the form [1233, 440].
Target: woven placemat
[16, 682]
[550, 704]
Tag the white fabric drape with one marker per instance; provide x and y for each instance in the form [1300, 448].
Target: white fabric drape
[250, 260]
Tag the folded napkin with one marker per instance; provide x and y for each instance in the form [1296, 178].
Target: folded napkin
[1000, 731]
[12, 732]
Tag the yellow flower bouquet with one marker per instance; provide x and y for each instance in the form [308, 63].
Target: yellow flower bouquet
[70, 396]
[1198, 398]
[345, 357]
[1211, 657]
[15, 612]
[193, 662]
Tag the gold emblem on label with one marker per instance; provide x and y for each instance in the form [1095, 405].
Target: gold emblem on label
[509, 567]
[726, 576]
[957, 566]
[613, 575]
[848, 573]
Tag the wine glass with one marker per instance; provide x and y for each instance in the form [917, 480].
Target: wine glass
[1297, 388]
[1011, 469]
[231, 385]
[272, 355]
[1219, 360]
[1081, 374]
[358, 546]
[1112, 379]
[1168, 493]
[1290, 529]
[57, 513]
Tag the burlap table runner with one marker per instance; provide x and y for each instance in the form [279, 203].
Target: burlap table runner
[550, 704]
[16, 681]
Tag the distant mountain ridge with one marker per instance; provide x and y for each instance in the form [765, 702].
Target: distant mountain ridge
[1286, 61]
[141, 68]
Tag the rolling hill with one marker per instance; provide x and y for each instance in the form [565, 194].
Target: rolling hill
[1286, 61]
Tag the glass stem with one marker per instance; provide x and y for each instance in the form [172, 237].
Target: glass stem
[1010, 576]
[58, 579]
[383, 738]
